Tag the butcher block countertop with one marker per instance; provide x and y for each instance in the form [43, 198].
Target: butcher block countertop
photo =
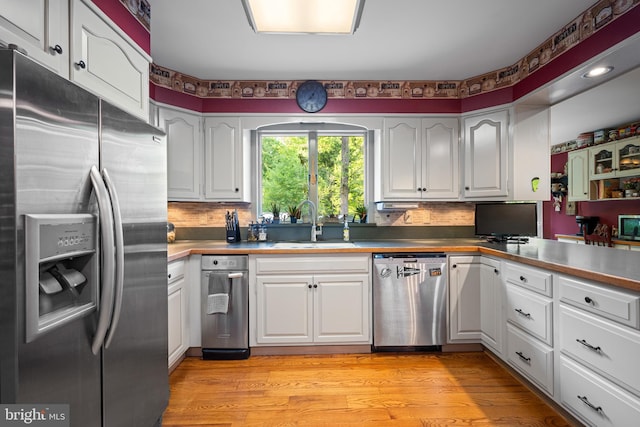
[611, 266]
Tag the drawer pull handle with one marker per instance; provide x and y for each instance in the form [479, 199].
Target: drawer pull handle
[522, 313]
[588, 300]
[523, 279]
[589, 346]
[589, 404]
[522, 356]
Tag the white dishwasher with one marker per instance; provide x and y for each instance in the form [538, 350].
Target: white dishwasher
[409, 301]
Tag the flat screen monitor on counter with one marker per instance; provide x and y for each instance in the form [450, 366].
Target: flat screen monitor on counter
[504, 220]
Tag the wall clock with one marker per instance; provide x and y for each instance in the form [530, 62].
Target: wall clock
[311, 96]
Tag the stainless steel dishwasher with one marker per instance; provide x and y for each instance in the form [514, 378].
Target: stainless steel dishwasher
[225, 307]
[409, 301]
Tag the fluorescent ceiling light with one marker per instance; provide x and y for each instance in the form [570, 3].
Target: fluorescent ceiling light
[597, 72]
[304, 16]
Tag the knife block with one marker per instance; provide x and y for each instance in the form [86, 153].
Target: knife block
[233, 236]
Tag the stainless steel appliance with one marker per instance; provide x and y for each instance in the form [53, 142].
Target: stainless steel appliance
[225, 307]
[83, 255]
[629, 227]
[409, 295]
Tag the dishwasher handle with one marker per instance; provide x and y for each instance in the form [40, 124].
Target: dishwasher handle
[235, 275]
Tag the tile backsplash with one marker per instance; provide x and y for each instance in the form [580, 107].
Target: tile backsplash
[199, 214]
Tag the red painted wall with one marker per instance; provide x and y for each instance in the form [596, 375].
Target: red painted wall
[560, 223]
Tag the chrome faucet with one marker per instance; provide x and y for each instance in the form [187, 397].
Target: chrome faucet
[316, 230]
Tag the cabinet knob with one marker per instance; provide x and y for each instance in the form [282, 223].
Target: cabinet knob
[588, 300]
[419, 189]
[424, 188]
[56, 49]
[454, 266]
[81, 64]
[466, 188]
[315, 286]
[309, 286]
[237, 189]
[495, 270]
[169, 276]
[523, 279]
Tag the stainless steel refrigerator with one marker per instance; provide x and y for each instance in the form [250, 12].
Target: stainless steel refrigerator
[83, 255]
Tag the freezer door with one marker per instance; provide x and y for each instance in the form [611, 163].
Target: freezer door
[135, 388]
[55, 144]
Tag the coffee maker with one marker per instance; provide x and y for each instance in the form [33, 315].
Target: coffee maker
[587, 224]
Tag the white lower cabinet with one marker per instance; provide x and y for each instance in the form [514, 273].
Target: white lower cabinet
[305, 300]
[491, 299]
[178, 302]
[599, 341]
[531, 357]
[594, 400]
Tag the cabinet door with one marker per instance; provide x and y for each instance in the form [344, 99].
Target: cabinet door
[341, 308]
[485, 155]
[106, 63]
[464, 299]
[402, 159]
[177, 320]
[184, 156]
[578, 170]
[41, 28]
[223, 160]
[440, 159]
[284, 309]
[491, 312]
[602, 163]
[628, 155]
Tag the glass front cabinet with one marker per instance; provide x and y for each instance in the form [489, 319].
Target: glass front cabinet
[615, 159]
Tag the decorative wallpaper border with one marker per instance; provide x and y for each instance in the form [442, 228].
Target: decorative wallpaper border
[141, 10]
[589, 22]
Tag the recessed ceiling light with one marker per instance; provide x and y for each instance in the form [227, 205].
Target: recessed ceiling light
[304, 17]
[597, 72]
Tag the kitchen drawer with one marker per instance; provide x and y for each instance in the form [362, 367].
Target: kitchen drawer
[292, 264]
[603, 345]
[531, 278]
[531, 312]
[533, 359]
[595, 400]
[175, 270]
[616, 305]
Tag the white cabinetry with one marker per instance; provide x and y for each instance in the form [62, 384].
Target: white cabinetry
[419, 159]
[184, 148]
[464, 298]
[41, 28]
[178, 300]
[491, 313]
[226, 160]
[578, 175]
[615, 159]
[106, 61]
[599, 341]
[529, 313]
[302, 300]
[486, 139]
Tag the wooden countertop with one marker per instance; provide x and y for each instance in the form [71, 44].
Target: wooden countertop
[614, 267]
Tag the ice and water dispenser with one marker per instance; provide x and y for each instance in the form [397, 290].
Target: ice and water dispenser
[61, 270]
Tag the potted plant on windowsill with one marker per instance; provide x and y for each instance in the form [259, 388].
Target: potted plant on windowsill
[294, 213]
[275, 210]
[361, 211]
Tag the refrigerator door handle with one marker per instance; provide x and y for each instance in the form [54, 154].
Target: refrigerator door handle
[119, 239]
[108, 258]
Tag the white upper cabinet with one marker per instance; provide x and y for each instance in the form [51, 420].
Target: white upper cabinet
[486, 139]
[105, 61]
[184, 148]
[226, 157]
[419, 159]
[41, 28]
[529, 154]
[578, 175]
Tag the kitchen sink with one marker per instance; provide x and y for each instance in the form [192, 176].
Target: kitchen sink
[313, 245]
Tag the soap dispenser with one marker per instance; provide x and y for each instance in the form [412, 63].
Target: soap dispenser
[345, 230]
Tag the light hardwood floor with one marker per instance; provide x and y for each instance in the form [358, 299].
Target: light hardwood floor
[379, 389]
